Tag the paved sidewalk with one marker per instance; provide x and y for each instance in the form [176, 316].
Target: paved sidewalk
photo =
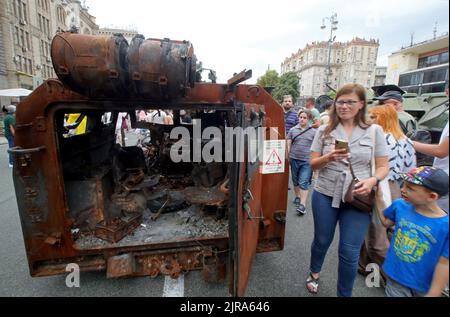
[3, 140]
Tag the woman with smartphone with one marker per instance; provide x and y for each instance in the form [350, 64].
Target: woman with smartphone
[348, 125]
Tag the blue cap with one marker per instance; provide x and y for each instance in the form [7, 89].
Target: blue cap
[434, 179]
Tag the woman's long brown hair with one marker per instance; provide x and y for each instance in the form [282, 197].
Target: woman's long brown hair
[360, 118]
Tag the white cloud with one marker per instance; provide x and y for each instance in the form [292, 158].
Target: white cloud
[229, 36]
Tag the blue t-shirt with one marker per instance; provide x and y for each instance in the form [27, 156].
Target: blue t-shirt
[416, 246]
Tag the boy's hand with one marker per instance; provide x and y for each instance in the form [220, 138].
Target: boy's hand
[440, 278]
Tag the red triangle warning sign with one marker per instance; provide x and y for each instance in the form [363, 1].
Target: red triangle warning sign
[274, 159]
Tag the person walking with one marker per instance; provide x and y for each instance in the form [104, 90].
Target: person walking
[9, 123]
[300, 139]
[366, 143]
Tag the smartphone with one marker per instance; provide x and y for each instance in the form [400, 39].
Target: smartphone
[341, 144]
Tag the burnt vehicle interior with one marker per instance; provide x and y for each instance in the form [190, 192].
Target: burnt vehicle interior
[135, 194]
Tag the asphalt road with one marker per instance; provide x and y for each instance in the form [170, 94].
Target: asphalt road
[276, 274]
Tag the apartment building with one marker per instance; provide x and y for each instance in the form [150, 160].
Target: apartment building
[27, 29]
[350, 62]
[421, 67]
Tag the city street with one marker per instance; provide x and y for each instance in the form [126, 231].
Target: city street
[276, 274]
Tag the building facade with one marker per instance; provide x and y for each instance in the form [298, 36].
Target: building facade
[350, 62]
[128, 34]
[380, 76]
[422, 67]
[27, 29]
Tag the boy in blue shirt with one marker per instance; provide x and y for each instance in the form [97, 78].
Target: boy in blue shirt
[417, 260]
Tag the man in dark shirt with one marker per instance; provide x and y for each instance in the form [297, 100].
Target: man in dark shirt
[290, 115]
[9, 123]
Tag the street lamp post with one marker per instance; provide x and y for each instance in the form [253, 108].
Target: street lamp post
[333, 27]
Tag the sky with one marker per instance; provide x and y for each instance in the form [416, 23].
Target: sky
[233, 35]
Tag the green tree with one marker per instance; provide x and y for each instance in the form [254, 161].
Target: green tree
[269, 79]
[287, 85]
[332, 94]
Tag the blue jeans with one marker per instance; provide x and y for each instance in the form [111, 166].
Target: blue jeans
[353, 226]
[301, 173]
[11, 145]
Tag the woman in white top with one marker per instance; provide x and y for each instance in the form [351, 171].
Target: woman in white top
[402, 156]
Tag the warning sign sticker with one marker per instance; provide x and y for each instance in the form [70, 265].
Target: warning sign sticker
[274, 156]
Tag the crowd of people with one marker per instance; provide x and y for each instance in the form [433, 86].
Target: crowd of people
[390, 212]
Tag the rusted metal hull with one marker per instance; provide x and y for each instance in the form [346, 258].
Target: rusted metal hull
[101, 66]
[43, 206]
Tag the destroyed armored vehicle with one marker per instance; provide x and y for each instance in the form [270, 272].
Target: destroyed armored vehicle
[133, 210]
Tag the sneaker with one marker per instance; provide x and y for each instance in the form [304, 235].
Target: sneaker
[10, 165]
[301, 210]
[296, 201]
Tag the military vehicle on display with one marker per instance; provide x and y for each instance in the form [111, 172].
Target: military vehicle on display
[431, 112]
[85, 199]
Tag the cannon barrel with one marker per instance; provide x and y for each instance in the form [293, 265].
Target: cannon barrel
[107, 66]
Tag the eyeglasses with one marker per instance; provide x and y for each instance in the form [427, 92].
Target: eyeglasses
[348, 102]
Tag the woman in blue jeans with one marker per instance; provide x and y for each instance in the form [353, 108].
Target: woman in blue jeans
[347, 123]
[300, 138]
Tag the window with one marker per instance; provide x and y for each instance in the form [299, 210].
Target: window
[433, 60]
[30, 66]
[435, 75]
[410, 79]
[20, 10]
[28, 44]
[24, 64]
[22, 39]
[61, 15]
[24, 11]
[444, 58]
[414, 90]
[40, 22]
[432, 88]
[16, 35]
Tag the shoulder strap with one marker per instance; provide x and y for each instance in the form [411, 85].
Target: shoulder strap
[304, 131]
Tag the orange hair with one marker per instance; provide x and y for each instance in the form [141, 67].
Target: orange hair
[387, 118]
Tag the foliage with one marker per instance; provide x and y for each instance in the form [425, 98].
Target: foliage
[269, 79]
[287, 85]
[332, 94]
